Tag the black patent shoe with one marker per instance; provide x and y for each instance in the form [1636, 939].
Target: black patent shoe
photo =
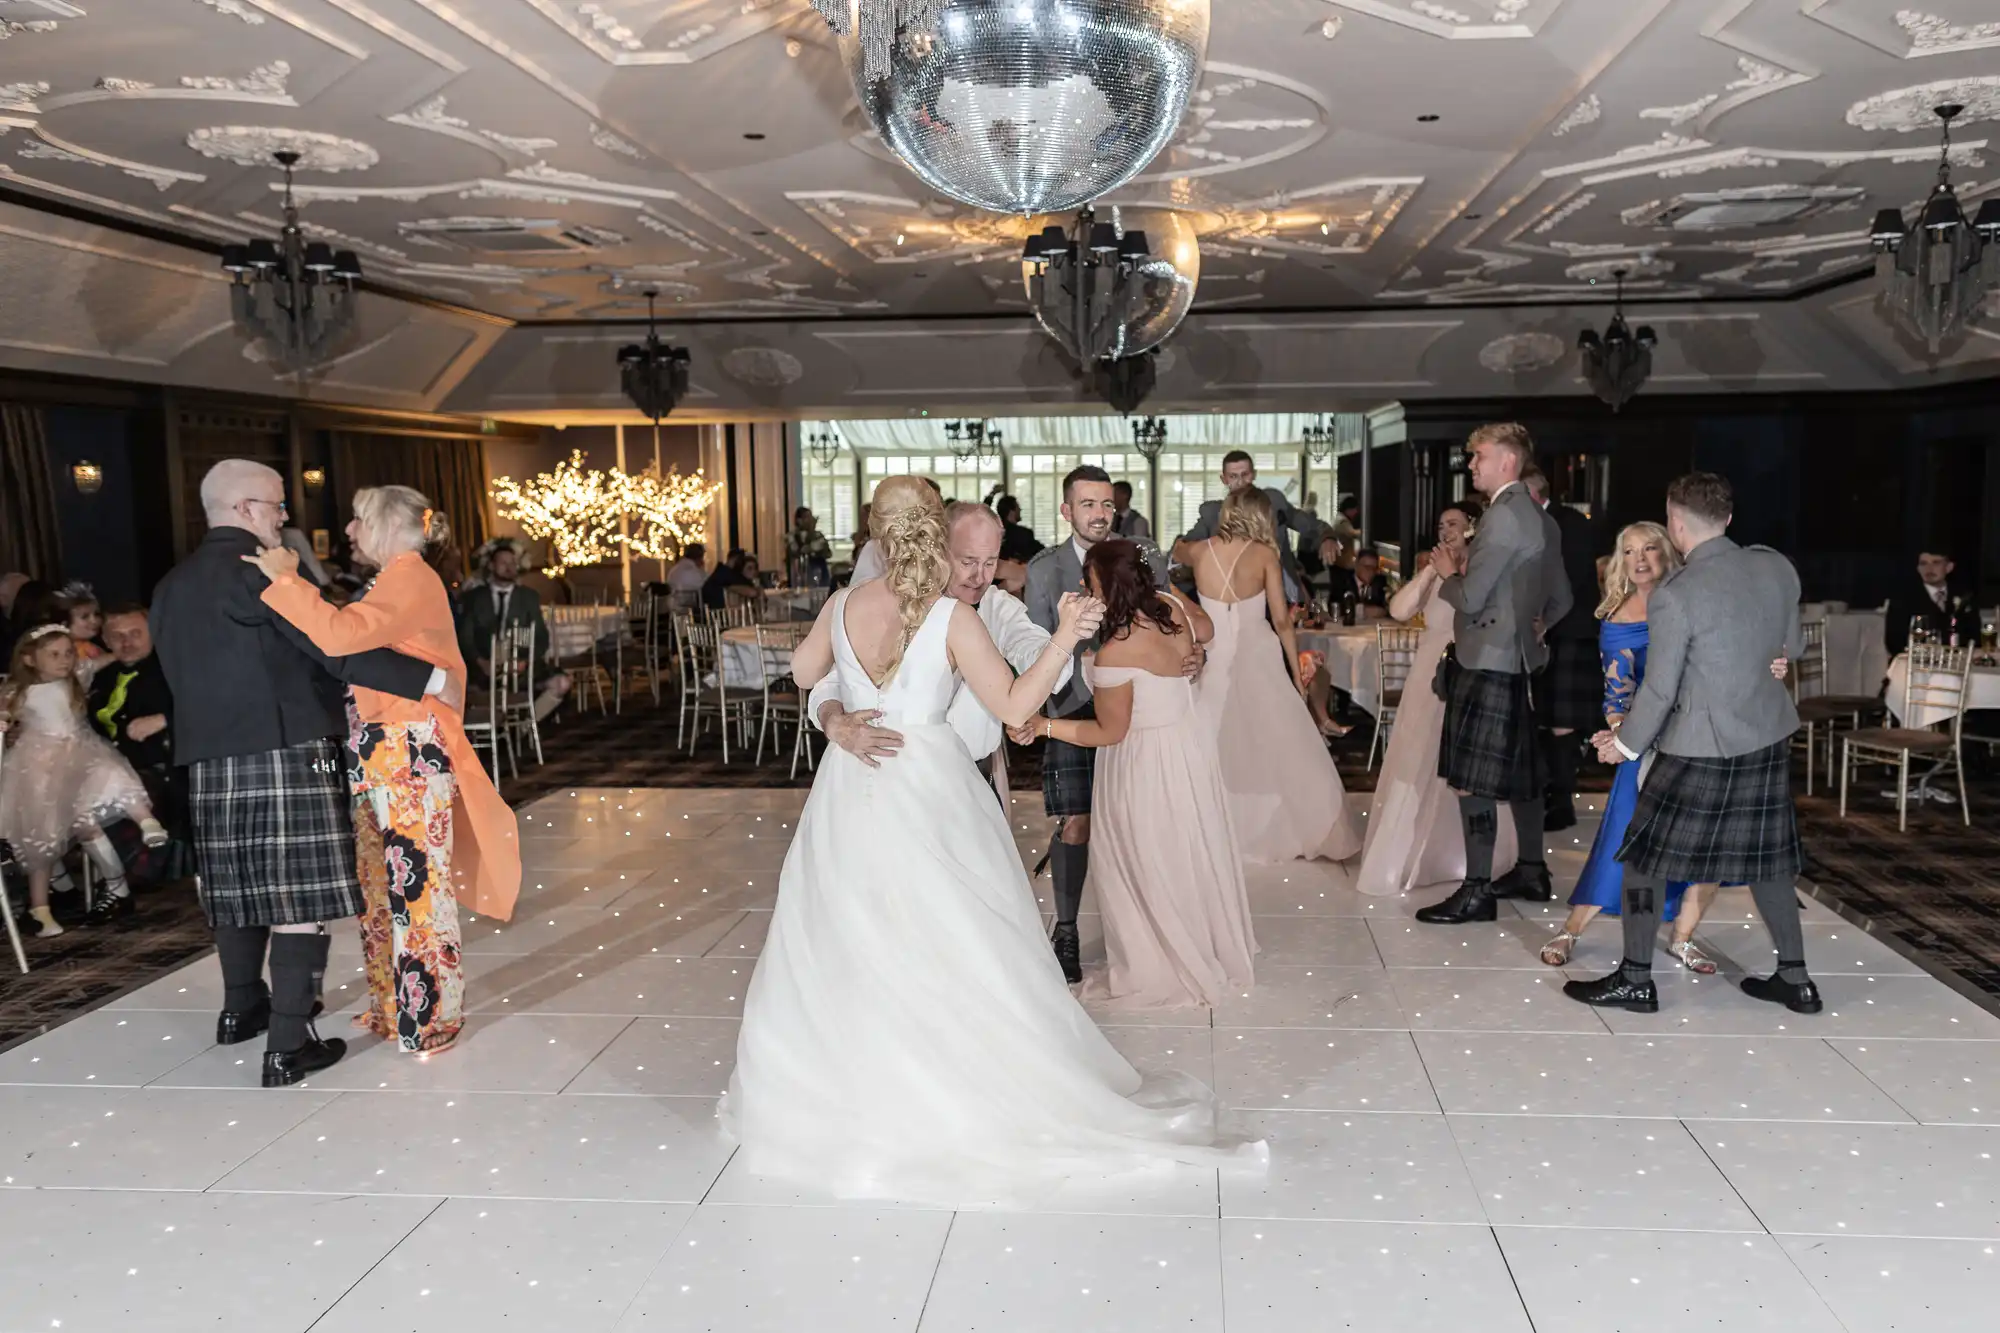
[108, 909]
[233, 1026]
[1615, 992]
[1472, 902]
[282, 1068]
[1528, 881]
[1069, 952]
[1800, 997]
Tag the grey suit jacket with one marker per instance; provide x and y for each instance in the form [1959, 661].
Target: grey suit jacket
[1513, 576]
[1713, 629]
[1054, 571]
[1284, 519]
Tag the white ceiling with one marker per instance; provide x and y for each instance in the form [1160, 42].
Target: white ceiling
[534, 160]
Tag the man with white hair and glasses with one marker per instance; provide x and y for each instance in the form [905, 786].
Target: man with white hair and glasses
[258, 714]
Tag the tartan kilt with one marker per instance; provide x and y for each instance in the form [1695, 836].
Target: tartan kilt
[1709, 820]
[1489, 747]
[1069, 774]
[273, 837]
[1570, 691]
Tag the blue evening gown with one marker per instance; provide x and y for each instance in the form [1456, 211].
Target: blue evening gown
[1622, 648]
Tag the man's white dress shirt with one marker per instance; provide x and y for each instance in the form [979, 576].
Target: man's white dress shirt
[1020, 641]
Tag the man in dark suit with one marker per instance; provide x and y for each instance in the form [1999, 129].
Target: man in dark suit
[1570, 692]
[1367, 582]
[1933, 601]
[132, 707]
[502, 601]
[257, 710]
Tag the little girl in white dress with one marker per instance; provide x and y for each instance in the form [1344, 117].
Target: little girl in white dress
[60, 782]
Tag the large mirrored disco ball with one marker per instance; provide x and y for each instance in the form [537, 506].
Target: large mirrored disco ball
[1026, 106]
[1143, 307]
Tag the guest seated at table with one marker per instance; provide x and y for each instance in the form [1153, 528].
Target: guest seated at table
[1933, 600]
[689, 573]
[132, 706]
[732, 576]
[1367, 582]
[500, 600]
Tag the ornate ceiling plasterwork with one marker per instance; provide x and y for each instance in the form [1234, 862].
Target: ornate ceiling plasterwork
[1907, 110]
[1523, 353]
[1931, 35]
[252, 146]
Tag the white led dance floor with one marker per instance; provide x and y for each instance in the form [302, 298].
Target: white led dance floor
[1454, 1144]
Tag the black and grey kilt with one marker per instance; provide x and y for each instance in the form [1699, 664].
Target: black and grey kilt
[1068, 774]
[273, 837]
[1569, 693]
[1488, 747]
[1708, 820]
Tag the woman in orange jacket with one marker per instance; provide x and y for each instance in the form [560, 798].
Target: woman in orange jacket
[430, 828]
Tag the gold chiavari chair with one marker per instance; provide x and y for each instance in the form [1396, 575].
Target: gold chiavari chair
[783, 701]
[1395, 653]
[1822, 715]
[1934, 695]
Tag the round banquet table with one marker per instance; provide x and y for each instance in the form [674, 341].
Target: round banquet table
[1351, 654]
[1982, 692]
[746, 666]
[572, 629]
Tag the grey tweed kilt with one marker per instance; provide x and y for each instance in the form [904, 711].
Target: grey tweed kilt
[273, 837]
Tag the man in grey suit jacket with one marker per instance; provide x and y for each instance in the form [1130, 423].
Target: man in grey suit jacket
[1068, 770]
[1716, 805]
[1240, 470]
[1506, 589]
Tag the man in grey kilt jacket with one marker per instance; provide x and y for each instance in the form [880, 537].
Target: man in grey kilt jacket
[1506, 589]
[1716, 805]
[256, 712]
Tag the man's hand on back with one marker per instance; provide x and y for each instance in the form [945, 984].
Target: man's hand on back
[857, 734]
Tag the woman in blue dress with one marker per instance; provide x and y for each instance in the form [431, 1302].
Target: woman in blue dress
[1644, 557]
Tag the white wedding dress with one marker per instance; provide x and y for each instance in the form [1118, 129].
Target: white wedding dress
[907, 1033]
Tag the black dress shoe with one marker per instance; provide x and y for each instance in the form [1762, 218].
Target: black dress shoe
[1069, 951]
[108, 909]
[1615, 992]
[233, 1026]
[1472, 902]
[1800, 997]
[286, 1067]
[1528, 881]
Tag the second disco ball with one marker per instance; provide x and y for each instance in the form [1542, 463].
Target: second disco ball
[1023, 106]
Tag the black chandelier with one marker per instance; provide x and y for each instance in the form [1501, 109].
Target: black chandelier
[1936, 276]
[972, 440]
[1318, 439]
[825, 446]
[1149, 436]
[1088, 288]
[653, 375]
[294, 297]
[1617, 362]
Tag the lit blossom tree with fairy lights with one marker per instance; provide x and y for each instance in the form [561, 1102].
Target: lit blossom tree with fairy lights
[577, 511]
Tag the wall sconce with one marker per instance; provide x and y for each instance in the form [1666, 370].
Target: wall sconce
[88, 476]
[314, 478]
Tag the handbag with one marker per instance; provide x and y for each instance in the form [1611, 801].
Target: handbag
[1446, 675]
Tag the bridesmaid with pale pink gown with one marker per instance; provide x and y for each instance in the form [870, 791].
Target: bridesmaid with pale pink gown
[1414, 837]
[1164, 865]
[1284, 791]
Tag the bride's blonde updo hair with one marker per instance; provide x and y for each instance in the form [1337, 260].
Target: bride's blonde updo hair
[907, 517]
[399, 518]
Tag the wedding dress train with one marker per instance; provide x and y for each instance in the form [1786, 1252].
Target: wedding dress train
[907, 1033]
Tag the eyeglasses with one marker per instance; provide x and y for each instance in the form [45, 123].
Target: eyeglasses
[279, 505]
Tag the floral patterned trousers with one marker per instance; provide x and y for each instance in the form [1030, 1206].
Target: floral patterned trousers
[403, 786]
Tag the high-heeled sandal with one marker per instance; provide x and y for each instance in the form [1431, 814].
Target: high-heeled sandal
[1692, 958]
[1557, 952]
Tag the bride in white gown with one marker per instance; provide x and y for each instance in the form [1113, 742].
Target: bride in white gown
[907, 1034]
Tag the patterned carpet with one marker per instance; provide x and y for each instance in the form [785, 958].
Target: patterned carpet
[1934, 893]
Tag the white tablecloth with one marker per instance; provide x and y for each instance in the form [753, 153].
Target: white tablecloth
[1982, 692]
[793, 603]
[1856, 659]
[745, 666]
[1350, 659]
[572, 629]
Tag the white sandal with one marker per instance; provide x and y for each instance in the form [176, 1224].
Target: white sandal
[1558, 951]
[1692, 958]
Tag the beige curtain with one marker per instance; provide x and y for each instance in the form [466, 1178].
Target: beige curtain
[29, 540]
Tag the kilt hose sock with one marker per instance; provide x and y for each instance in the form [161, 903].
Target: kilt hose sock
[298, 962]
[1777, 902]
[1480, 818]
[240, 950]
[1565, 759]
[1069, 863]
[1530, 837]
